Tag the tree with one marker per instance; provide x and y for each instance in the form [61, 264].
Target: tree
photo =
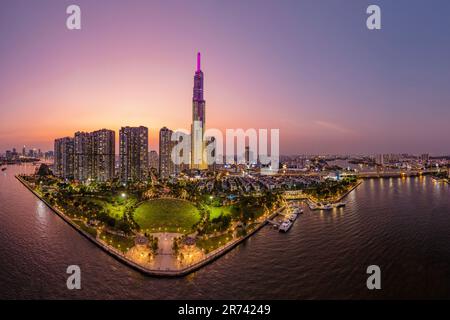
[44, 171]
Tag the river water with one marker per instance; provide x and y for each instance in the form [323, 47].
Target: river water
[401, 225]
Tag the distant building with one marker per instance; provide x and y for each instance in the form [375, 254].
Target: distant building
[133, 153]
[211, 144]
[379, 160]
[8, 155]
[166, 165]
[49, 155]
[247, 155]
[153, 160]
[425, 157]
[64, 158]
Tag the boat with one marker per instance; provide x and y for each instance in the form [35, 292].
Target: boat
[285, 226]
[340, 204]
[293, 216]
[327, 207]
[298, 211]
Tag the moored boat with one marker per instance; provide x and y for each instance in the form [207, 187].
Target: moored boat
[285, 226]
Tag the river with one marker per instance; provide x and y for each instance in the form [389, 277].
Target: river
[401, 225]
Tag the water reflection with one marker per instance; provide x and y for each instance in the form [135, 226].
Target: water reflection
[42, 213]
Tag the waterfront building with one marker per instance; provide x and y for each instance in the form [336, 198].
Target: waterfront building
[198, 120]
[133, 154]
[103, 158]
[64, 158]
[83, 156]
[94, 154]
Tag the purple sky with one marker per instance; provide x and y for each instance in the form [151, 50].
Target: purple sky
[310, 68]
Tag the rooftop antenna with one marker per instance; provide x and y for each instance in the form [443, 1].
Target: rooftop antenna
[198, 61]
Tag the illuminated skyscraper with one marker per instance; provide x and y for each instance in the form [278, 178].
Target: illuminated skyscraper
[198, 120]
[133, 154]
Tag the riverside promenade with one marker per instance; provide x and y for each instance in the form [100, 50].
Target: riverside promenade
[314, 204]
[157, 272]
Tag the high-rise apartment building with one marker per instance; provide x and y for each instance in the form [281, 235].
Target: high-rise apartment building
[94, 155]
[83, 156]
[133, 142]
[153, 160]
[166, 165]
[64, 158]
[104, 150]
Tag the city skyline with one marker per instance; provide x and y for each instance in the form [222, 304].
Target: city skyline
[330, 85]
[182, 151]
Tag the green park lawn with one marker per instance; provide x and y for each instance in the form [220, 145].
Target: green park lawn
[170, 215]
[216, 211]
[213, 243]
[121, 243]
[116, 208]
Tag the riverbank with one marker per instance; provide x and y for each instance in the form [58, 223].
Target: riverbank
[335, 203]
[152, 272]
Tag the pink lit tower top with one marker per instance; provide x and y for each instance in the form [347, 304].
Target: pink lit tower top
[198, 119]
[198, 81]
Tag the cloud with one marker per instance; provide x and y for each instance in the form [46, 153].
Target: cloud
[334, 127]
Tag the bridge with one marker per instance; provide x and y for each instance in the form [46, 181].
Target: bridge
[398, 173]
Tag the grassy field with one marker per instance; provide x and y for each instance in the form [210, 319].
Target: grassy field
[84, 227]
[170, 215]
[214, 242]
[216, 211]
[121, 243]
[116, 208]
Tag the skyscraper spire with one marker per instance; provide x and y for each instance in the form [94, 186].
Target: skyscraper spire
[198, 120]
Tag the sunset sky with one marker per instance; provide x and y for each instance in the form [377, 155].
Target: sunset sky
[310, 68]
